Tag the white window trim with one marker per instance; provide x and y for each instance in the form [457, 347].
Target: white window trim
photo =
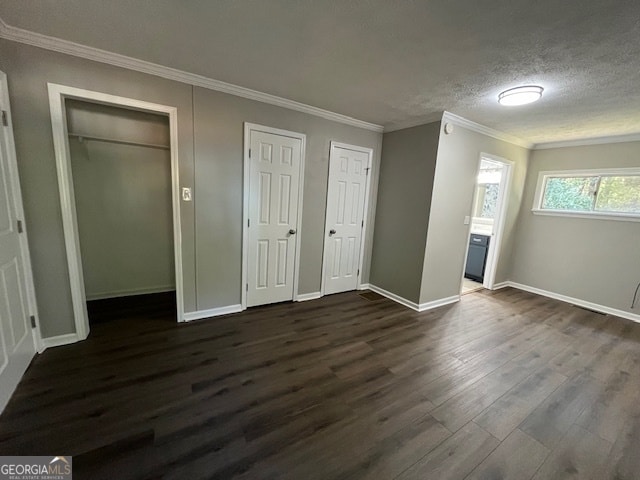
[542, 178]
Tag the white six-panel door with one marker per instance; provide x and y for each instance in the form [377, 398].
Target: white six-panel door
[275, 163]
[16, 341]
[344, 226]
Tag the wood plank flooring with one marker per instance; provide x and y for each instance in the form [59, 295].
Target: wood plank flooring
[502, 385]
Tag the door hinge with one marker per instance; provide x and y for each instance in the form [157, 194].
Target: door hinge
[19, 226]
[248, 222]
[249, 153]
[5, 118]
[362, 224]
[33, 321]
[247, 287]
[358, 272]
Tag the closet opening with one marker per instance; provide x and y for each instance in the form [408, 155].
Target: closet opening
[122, 191]
[61, 97]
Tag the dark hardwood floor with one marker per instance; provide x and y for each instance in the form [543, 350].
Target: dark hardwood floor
[159, 306]
[500, 385]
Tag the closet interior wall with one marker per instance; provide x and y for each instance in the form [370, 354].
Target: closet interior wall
[121, 168]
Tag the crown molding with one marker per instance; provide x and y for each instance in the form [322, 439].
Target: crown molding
[490, 132]
[46, 42]
[412, 123]
[632, 137]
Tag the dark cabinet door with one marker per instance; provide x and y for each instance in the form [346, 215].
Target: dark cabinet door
[475, 262]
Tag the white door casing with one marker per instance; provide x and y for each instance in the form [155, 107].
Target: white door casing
[17, 303]
[57, 97]
[273, 178]
[495, 243]
[347, 195]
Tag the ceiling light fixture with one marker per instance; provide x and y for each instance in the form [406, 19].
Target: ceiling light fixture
[520, 95]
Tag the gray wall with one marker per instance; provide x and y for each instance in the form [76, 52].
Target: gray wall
[593, 260]
[404, 202]
[453, 188]
[123, 200]
[28, 70]
[219, 124]
[211, 240]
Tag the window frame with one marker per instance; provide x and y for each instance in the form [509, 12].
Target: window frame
[543, 176]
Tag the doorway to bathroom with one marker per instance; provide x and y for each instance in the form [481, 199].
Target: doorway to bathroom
[486, 223]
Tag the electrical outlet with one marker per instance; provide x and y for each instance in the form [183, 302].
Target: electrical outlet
[186, 194]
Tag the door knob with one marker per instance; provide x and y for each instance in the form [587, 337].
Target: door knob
[332, 232]
[292, 231]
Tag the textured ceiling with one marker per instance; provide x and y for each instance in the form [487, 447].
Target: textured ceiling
[388, 62]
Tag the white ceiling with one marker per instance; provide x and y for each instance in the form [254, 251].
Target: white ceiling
[389, 62]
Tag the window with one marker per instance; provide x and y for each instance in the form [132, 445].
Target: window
[609, 193]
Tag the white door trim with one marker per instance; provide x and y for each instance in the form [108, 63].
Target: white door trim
[495, 243]
[365, 217]
[57, 96]
[14, 179]
[248, 128]
[493, 254]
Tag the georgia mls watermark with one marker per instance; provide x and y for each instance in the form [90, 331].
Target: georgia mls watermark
[35, 468]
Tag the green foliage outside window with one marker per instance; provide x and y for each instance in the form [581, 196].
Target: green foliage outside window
[569, 193]
[619, 194]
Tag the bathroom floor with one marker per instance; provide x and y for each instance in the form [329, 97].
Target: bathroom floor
[469, 285]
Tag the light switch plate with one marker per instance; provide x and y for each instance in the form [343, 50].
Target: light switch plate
[467, 219]
[186, 194]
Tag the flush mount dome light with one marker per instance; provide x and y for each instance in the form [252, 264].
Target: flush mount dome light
[520, 95]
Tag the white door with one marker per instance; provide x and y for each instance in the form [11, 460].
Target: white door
[274, 186]
[344, 226]
[16, 341]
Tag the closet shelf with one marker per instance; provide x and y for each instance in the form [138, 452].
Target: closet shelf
[121, 142]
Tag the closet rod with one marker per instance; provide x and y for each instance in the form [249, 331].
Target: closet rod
[121, 142]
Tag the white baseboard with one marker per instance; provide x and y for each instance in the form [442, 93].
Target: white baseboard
[394, 297]
[498, 286]
[130, 293]
[308, 296]
[212, 312]
[576, 301]
[364, 286]
[438, 303]
[412, 305]
[59, 340]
